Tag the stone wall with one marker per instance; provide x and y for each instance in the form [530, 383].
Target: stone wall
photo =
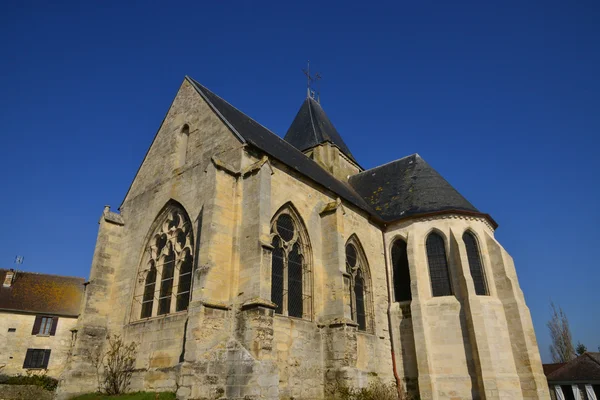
[14, 345]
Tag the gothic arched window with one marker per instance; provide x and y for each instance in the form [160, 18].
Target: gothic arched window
[401, 271]
[291, 280]
[475, 264]
[438, 266]
[359, 284]
[167, 274]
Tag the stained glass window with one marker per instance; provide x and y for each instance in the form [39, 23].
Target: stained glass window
[438, 266]
[475, 263]
[290, 273]
[401, 271]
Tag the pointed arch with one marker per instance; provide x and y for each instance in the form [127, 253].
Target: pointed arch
[165, 274]
[359, 285]
[437, 259]
[475, 263]
[401, 270]
[291, 264]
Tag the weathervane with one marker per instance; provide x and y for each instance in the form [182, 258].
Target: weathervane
[311, 91]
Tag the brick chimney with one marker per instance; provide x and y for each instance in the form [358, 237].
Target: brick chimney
[9, 278]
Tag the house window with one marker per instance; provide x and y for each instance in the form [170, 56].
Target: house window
[291, 283]
[164, 284]
[44, 325]
[438, 266]
[401, 271]
[37, 358]
[475, 264]
[358, 283]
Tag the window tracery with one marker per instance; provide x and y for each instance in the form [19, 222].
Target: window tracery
[167, 274]
[359, 284]
[291, 279]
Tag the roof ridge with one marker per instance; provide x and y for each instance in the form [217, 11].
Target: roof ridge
[389, 162]
[41, 273]
[312, 120]
[228, 103]
[589, 354]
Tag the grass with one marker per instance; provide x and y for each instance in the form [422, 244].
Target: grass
[128, 396]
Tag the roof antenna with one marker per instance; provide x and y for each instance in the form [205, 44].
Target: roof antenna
[310, 80]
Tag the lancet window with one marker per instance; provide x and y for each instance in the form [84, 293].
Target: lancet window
[166, 273]
[291, 278]
[401, 271]
[438, 266]
[359, 285]
[475, 264]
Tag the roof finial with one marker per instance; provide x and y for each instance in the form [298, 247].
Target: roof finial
[310, 80]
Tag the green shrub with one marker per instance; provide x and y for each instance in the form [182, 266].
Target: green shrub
[40, 380]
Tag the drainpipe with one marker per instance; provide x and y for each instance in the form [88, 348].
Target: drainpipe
[389, 315]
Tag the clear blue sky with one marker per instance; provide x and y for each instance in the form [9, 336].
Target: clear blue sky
[502, 98]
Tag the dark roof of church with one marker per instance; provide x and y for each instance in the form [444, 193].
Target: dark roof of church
[42, 293]
[312, 127]
[407, 187]
[585, 368]
[400, 189]
[248, 130]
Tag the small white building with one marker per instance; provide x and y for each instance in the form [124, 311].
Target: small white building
[38, 314]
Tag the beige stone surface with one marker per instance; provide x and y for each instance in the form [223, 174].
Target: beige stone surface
[14, 345]
[230, 343]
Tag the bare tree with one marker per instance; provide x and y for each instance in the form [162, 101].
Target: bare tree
[115, 366]
[561, 348]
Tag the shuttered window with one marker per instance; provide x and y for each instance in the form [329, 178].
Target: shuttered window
[44, 325]
[37, 358]
[475, 265]
[438, 266]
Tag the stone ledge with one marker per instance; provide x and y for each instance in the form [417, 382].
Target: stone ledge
[258, 302]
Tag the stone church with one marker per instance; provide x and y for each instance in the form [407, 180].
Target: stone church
[247, 266]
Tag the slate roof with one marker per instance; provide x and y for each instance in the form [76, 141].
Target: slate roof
[42, 294]
[397, 190]
[407, 187]
[312, 127]
[585, 368]
[250, 131]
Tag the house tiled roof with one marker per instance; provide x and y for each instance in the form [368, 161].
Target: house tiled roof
[312, 127]
[42, 293]
[550, 368]
[585, 368]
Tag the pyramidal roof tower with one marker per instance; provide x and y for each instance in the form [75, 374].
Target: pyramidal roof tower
[313, 133]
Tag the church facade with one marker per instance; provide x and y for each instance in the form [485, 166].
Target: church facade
[247, 266]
